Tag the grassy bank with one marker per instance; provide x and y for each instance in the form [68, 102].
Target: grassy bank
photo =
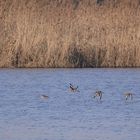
[69, 33]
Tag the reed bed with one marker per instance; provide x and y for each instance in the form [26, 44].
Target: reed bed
[69, 33]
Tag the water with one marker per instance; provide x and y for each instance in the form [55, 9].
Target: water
[65, 115]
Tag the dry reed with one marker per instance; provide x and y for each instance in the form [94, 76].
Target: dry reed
[69, 33]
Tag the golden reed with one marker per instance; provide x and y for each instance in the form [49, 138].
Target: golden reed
[69, 33]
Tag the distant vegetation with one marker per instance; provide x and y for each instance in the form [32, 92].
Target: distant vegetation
[69, 33]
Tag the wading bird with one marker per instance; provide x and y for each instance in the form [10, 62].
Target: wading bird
[98, 94]
[73, 89]
[44, 97]
[128, 95]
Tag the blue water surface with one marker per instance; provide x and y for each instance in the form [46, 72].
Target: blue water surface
[66, 115]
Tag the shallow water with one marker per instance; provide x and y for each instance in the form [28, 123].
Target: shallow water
[65, 115]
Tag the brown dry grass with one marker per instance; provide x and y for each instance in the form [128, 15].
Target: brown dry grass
[69, 33]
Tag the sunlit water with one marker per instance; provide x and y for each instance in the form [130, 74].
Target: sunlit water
[65, 115]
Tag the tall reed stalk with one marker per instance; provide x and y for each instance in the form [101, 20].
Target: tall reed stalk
[70, 33]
